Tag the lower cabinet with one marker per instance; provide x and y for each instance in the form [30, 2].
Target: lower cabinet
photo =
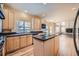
[56, 45]
[49, 47]
[38, 47]
[46, 48]
[14, 43]
[23, 41]
[29, 39]
[9, 44]
[43, 48]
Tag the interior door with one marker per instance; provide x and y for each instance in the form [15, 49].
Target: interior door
[76, 33]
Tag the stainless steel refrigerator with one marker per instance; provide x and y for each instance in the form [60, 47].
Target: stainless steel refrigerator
[1, 36]
[76, 33]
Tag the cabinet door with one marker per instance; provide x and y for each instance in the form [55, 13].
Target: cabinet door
[49, 47]
[22, 41]
[29, 39]
[11, 17]
[12, 44]
[37, 23]
[5, 22]
[9, 44]
[16, 43]
[38, 47]
[56, 45]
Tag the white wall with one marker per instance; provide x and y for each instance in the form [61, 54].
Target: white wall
[69, 24]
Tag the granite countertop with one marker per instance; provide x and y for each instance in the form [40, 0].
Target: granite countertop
[44, 37]
[19, 34]
[8, 34]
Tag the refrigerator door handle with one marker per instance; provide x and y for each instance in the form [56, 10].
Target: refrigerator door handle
[74, 33]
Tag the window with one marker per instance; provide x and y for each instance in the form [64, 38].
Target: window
[27, 26]
[23, 26]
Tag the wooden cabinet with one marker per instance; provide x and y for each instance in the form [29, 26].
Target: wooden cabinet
[23, 41]
[5, 22]
[16, 42]
[9, 44]
[36, 23]
[43, 48]
[46, 48]
[49, 47]
[56, 45]
[12, 44]
[29, 39]
[38, 47]
[11, 19]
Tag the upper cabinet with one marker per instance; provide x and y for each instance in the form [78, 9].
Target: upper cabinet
[5, 22]
[9, 18]
[36, 23]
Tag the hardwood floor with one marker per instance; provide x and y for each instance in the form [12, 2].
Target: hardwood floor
[28, 51]
[66, 48]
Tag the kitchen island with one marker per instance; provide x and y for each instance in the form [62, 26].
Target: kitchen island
[45, 45]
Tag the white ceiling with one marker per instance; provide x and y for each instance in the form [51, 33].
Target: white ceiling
[50, 10]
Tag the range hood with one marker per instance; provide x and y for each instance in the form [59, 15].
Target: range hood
[1, 12]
